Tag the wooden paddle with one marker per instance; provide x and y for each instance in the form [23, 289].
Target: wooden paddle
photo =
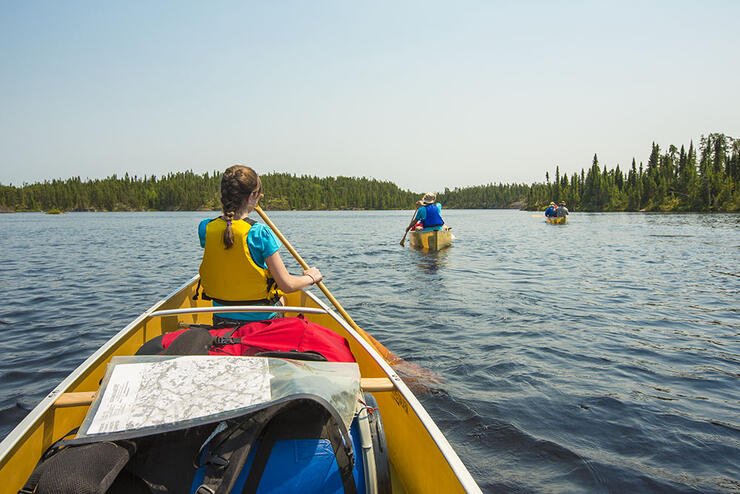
[407, 229]
[417, 377]
[387, 354]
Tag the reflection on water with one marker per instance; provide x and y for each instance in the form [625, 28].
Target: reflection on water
[431, 262]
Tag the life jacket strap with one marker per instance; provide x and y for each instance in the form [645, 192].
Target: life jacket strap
[263, 301]
[271, 287]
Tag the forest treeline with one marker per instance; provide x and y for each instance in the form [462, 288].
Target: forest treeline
[188, 191]
[698, 179]
[672, 180]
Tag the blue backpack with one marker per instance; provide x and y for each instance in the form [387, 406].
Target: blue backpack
[297, 446]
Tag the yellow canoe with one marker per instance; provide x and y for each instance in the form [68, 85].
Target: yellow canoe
[558, 221]
[430, 241]
[421, 458]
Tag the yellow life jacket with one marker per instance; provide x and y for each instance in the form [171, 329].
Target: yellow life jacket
[230, 276]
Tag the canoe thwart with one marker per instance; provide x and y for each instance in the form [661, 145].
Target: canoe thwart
[85, 398]
[376, 384]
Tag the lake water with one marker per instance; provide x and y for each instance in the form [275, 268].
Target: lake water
[598, 356]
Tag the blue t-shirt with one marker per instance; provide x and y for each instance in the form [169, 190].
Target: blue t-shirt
[421, 215]
[262, 243]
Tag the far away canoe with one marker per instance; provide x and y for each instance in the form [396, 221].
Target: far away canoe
[430, 241]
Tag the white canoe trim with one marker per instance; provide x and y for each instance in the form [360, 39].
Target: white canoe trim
[238, 308]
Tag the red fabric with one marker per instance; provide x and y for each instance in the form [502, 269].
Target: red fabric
[168, 338]
[284, 334]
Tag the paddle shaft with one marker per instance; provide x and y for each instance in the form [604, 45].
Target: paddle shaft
[407, 230]
[387, 354]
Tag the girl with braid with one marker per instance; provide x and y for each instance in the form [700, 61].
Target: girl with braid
[241, 264]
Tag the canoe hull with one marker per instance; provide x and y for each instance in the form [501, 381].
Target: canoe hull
[411, 434]
[430, 241]
[557, 221]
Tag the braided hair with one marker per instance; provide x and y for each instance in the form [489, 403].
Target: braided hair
[237, 183]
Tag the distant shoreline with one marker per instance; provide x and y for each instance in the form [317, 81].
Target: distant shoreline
[697, 180]
[217, 211]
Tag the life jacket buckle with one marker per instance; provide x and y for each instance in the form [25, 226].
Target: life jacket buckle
[226, 340]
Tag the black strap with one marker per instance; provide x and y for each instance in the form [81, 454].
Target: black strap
[33, 480]
[226, 339]
[260, 461]
[345, 459]
[262, 301]
[310, 355]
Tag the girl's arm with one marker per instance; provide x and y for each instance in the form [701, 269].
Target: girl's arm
[288, 282]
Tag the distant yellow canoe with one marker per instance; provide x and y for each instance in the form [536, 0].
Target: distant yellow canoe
[430, 241]
[558, 221]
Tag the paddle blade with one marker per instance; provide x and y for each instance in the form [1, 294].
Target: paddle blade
[417, 378]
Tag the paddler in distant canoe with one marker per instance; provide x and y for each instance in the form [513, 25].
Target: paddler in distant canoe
[561, 211]
[429, 214]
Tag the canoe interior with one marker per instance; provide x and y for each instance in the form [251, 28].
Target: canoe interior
[558, 221]
[420, 460]
[430, 241]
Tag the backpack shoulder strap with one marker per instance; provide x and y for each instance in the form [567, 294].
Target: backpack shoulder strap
[230, 451]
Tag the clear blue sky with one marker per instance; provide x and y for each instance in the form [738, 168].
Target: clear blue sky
[427, 94]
